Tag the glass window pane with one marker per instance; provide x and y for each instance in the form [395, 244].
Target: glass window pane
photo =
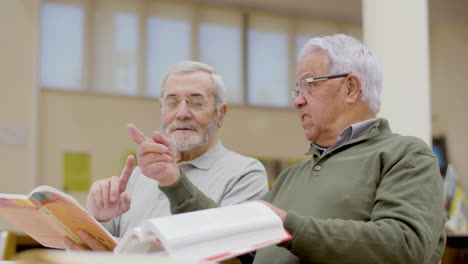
[62, 46]
[164, 51]
[117, 46]
[221, 47]
[268, 62]
[168, 42]
[126, 46]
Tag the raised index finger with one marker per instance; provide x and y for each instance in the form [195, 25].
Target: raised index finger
[136, 134]
[160, 139]
[126, 173]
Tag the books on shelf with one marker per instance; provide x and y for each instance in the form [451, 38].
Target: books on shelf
[207, 235]
[48, 215]
[456, 203]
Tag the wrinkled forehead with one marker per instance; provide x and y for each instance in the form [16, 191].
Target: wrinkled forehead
[189, 84]
[313, 65]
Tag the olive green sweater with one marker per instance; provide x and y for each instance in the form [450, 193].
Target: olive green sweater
[376, 199]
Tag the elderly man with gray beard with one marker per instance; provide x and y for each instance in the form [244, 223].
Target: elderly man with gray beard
[192, 111]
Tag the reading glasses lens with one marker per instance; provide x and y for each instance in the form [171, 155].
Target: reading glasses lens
[195, 103]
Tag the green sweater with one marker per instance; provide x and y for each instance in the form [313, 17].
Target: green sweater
[376, 199]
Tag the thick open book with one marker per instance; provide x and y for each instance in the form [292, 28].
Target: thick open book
[48, 215]
[207, 235]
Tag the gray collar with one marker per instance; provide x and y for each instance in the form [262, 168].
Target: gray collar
[350, 132]
[207, 159]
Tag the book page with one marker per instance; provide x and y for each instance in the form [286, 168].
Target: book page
[50, 189]
[8, 196]
[26, 216]
[135, 241]
[231, 246]
[195, 227]
[71, 217]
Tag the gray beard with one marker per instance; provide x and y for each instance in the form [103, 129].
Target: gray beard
[186, 141]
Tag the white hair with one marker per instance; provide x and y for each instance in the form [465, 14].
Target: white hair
[349, 55]
[219, 91]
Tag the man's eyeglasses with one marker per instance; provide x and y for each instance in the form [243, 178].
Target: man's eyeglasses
[306, 84]
[194, 102]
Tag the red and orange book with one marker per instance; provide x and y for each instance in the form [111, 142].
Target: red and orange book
[49, 215]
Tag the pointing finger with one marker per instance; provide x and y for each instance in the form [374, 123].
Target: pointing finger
[136, 134]
[114, 188]
[158, 138]
[126, 173]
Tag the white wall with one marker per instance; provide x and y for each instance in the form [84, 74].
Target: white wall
[18, 87]
[18, 99]
[402, 48]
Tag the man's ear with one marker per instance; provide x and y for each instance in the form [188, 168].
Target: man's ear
[353, 89]
[222, 113]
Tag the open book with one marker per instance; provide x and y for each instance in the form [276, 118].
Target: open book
[48, 215]
[207, 235]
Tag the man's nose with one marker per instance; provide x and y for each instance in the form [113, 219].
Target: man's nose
[300, 101]
[183, 111]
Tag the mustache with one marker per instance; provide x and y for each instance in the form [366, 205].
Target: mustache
[182, 124]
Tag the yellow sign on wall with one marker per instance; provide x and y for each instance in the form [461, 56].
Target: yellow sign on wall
[76, 171]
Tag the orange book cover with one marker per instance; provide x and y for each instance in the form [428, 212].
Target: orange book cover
[48, 215]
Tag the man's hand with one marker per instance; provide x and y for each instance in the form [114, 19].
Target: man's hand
[155, 157]
[107, 198]
[91, 243]
[282, 214]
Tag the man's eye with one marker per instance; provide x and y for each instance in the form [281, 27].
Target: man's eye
[196, 103]
[172, 103]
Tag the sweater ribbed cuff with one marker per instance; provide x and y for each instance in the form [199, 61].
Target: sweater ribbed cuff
[180, 191]
[293, 225]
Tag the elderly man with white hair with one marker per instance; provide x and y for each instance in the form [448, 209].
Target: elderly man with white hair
[365, 195]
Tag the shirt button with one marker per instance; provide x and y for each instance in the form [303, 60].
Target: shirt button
[317, 168]
[161, 196]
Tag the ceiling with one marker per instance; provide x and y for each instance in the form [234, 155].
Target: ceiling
[334, 9]
[346, 10]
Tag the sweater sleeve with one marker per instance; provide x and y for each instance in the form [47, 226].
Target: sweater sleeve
[406, 224]
[184, 196]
